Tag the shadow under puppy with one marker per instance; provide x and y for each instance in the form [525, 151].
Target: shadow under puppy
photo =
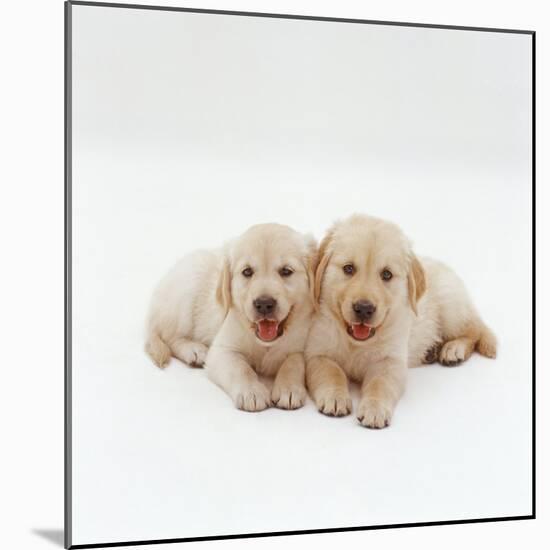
[382, 310]
[251, 303]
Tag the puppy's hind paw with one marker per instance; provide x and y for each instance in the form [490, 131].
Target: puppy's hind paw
[453, 353]
[192, 353]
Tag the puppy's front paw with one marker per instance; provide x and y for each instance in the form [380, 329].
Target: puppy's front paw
[373, 413]
[289, 397]
[252, 398]
[334, 402]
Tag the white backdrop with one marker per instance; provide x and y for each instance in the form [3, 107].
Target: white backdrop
[31, 401]
[187, 129]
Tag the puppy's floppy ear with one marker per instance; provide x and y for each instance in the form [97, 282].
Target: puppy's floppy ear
[323, 257]
[223, 290]
[311, 263]
[416, 281]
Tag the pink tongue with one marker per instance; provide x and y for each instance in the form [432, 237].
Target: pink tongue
[361, 332]
[267, 330]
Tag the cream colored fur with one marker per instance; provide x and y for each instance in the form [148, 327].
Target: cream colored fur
[423, 313]
[202, 313]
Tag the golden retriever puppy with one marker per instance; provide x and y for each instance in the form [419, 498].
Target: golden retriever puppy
[381, 310]
[241, 311]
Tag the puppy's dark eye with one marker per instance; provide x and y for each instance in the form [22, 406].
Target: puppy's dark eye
[285, 272]
[386, 275]
[248, 272]
[349, 269]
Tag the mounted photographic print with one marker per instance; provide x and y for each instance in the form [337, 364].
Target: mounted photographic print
[299, 274]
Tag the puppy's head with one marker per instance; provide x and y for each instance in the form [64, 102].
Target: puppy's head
[268, 278]
[367, 270]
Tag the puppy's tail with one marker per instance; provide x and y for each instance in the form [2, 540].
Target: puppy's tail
[157, 349]
[487, 342]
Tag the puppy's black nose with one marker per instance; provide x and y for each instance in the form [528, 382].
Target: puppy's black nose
[364, 309]
[265, 304]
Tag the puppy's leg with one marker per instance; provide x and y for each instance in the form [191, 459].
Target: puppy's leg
[235, 376]
[476, 336]
[192, 353]
[382, 387]
[456, 351]
[487, 343]
[462, 330]
[289, 390]
[157, 349]
[328, 386]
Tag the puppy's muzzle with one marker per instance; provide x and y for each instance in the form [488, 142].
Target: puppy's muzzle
[363, 311]
[268, 327]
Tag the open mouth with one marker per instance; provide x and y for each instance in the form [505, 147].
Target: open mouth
[361, 331]
[269, 330]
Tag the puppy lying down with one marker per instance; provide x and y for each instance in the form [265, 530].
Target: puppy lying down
[251, 304]
[381, 309]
